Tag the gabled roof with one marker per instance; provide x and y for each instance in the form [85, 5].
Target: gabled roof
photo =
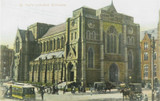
[55, 29]
[109, 8]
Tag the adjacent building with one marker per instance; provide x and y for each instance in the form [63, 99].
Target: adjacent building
[92, 45]
[148, 56]
[6, 62]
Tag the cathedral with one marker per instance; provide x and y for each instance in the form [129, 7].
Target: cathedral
[91, 46]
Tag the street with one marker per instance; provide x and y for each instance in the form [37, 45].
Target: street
[114, 95]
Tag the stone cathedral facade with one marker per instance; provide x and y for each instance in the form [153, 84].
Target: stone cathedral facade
[92, 45]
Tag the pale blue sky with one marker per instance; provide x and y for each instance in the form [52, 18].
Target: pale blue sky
[22, 13]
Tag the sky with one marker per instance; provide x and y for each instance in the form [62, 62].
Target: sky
[22, 13]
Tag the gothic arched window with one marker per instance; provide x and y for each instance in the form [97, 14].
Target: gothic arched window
[75, 35]
[108, 43]
[115, 44]
[90, 58]
[71, 36]
[120, 38]
[54, 44]
[130, 60]
[111, 43]
[17, 45]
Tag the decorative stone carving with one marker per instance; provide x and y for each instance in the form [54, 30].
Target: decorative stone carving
[130, 30]
[91, 24]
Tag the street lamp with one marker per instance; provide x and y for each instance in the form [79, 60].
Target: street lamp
[130, 77]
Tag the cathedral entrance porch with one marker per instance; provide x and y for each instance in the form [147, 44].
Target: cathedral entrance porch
[113, 73]
[71, 72]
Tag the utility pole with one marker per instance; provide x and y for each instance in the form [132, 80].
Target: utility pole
[153, 46]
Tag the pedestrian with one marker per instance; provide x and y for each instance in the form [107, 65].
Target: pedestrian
[42, 92]
[157, 96]
[91, 89]
[53, 90]
[10, 90]
[64, 89]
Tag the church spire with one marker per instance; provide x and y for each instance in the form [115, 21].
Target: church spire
[111, 2]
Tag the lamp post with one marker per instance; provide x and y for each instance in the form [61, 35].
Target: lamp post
[153, 46]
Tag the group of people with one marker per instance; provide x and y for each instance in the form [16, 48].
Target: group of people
[53, 90]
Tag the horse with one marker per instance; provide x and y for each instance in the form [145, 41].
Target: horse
[108, 86]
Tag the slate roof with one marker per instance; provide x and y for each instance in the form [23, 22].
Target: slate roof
[22, 33]
[55, 29]
[151, 32]
[58, 54]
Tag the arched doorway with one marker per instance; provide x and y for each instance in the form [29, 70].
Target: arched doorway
[113, 73]
[70, 72]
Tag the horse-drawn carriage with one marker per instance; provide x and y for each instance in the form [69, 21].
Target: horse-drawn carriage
[133, 91]
[103, 86]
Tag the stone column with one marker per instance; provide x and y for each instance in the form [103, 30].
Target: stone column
[75, 72]
[125, 52]
[102, 50]
[81, 27]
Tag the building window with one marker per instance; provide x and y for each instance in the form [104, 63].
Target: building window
[115, 44]
[54, 44]
[128, 40]
[91, 37]
[130, 60]
[94, 35]
[145, 45]
[47, 46]
[75, 35]
[87, 34]
[90, 58]
[145, 56]
[108, 43]
[50, 45]
[132, 41]
[58, 43]
[146, 71]
[120, 38]
[41, 47]
[155, 69]
[71, 36]
[111, 43]
[112, 40]
[44, 46]
[62, 42]
[155, 55]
